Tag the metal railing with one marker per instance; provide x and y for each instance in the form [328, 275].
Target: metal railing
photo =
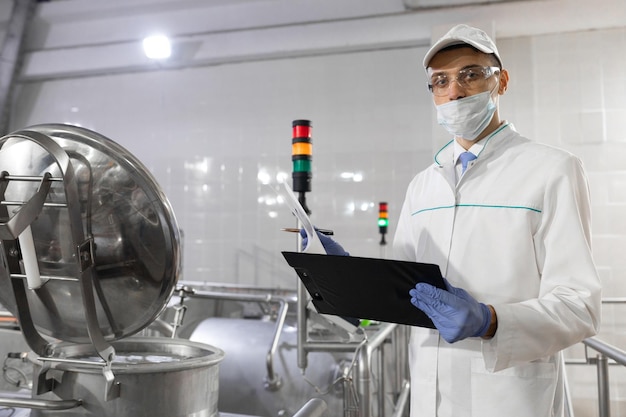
[601, 360]
[605, 352]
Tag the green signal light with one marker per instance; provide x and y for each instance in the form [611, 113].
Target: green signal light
[383, 222]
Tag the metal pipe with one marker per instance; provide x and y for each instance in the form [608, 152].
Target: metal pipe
[380, 370]
[604, 403]
[364, 368]
[364, 381]
[377, 343]
[380, 336]
[402, 399]
[273, 381]
[350, 400]
[224, 287]
[163, 327]
[78, 362]
[301, 319]
[23, 203]
[47, 277]
[397, 354]
[40, 404]
[32, 178]
[264, 298]
[302, 326]
[315, 407]
[331, 346]
[614, 300]
[400, 344]
[576, 362]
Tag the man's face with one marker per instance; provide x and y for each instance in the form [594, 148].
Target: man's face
[459, 73]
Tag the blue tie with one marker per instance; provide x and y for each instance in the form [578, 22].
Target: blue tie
[465, 157]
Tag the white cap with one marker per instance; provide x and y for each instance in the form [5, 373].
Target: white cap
[461, 34]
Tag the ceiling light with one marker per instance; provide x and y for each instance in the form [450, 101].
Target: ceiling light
[157, 47]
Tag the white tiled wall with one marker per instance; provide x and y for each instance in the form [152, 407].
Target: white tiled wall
[212, 134]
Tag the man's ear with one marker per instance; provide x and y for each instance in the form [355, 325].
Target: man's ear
[504, 81]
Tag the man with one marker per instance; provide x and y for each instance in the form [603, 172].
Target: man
[510, 225]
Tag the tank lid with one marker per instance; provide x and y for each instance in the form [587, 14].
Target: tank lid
[104, 221]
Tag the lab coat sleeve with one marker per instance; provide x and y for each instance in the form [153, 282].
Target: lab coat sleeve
[568, 307]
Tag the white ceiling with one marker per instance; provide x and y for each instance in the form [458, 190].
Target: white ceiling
[510, 17]
[513, 17]
[70, 37]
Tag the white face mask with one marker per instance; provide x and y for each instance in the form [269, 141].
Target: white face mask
[468, 116]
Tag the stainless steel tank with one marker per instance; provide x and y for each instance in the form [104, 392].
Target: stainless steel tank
[156, 376]
[90, 256]
[243, 373]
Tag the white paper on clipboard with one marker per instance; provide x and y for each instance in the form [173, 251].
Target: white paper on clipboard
[313, 243]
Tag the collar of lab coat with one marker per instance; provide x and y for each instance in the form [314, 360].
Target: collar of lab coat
[445, 155]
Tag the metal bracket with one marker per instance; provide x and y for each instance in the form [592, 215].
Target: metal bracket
[112, 387]
[44, 384]
[85, 254]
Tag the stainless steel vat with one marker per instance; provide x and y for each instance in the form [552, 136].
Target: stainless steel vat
[157, 377]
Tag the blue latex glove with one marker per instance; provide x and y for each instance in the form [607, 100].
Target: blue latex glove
[455, 313]
[330, 246]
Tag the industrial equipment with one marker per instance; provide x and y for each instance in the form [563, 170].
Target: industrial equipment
[90, 256]
[89, 265]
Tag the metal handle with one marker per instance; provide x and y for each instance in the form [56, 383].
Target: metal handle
[40, 404]
[83, 244]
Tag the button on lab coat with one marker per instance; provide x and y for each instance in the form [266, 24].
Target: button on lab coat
[515, 233]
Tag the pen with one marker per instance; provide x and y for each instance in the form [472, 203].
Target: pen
[296, 230]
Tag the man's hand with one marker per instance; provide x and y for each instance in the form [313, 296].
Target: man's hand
[455, 313]
[330, 246]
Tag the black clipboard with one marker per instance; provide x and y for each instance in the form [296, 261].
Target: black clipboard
[368, 288]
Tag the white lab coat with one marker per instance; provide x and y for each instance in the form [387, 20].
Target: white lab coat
[515, 233]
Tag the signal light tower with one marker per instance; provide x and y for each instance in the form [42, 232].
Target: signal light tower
[301, 156]
[383, 221]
